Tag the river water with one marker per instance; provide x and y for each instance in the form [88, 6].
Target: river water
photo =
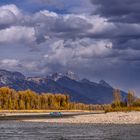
[17, 130]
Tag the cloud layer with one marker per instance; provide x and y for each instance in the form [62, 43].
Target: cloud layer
[102, 42]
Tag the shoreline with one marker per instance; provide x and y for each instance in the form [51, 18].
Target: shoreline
[76, 117]
[35, 116]
[106, 118]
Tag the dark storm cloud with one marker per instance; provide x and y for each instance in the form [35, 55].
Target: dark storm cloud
[132, 43]
[66, 27]
[105, 45]
[119, 10]
[39, 26]
[124, 14]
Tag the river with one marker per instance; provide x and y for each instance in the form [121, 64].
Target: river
[18, 130]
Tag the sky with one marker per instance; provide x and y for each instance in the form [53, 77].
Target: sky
[97, 39]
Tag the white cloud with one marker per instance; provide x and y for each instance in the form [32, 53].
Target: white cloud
[67, 53]
[9, 62]
[17, 34]
[94, 50]
[7, 17]
[10, 15]
[48, 13]
[44, 25]
[59, 54]
[13, 8]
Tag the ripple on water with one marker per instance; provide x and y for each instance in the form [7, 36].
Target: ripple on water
[16, 130]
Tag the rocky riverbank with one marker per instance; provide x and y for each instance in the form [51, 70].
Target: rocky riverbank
[104, 118]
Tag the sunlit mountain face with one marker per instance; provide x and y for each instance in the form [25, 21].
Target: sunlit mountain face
[96, 39]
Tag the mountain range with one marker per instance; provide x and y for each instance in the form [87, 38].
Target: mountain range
[80, 90]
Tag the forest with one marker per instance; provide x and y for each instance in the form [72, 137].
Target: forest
[129, 103]
[11, 99]
[30, 100]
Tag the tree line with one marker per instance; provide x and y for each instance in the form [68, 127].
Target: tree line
[29, 100]
[11, 99]
[131, 102]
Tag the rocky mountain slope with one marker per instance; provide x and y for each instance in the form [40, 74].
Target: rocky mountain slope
[79, 90]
